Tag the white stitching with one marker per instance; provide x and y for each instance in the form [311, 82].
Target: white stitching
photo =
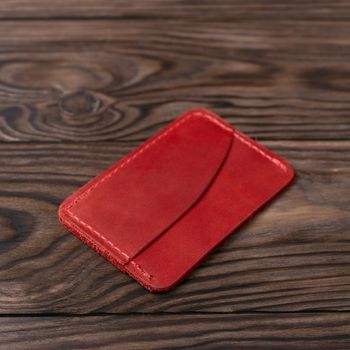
[138, 267]
[98, 234]
[259, 150]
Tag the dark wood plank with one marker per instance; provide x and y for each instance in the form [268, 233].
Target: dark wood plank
[252, 331]
[293, 256]
[222, 10]
[119, 80]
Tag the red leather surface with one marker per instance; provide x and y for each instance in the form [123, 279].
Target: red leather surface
[159, 211]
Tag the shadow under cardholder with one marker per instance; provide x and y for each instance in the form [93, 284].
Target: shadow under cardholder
[160, 210]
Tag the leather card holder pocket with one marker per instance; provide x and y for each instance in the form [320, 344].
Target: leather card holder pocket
[160, 210]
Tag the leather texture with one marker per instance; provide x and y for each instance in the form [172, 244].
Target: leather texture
[160, 210]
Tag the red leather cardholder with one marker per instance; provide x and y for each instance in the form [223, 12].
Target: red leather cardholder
[160, 210]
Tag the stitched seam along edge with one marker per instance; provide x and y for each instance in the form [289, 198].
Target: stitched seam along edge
[137, 154]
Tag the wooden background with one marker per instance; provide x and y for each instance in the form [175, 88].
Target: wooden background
[84, 82]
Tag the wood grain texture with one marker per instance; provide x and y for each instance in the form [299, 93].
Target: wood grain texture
[220, 10]
[84, 82]
[247, 332]
[293, 256]
[101, 80]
